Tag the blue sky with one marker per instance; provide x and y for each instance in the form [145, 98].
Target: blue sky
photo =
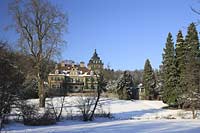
[124, 32]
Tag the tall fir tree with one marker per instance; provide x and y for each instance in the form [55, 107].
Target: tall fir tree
[181, 49]
[190, 95]
[181, 54]
[192, 64]
[149, 81]
[192, 40]
[170, 93]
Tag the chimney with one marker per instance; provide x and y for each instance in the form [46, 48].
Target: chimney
[56, 66]
[62, 64]
[82, 64]
[73, 64]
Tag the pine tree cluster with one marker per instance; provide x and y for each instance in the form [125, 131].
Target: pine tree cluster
[181, 69]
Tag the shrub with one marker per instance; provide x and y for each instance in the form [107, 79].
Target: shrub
[31, 116]
[85, 105]
[30, 88]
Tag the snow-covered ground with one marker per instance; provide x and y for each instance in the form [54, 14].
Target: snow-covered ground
[128, 116]
[118, 126]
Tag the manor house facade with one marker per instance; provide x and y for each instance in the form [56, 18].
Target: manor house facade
[76, 77]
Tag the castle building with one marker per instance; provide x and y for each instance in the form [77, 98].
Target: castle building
[95, 64]
[76, 77]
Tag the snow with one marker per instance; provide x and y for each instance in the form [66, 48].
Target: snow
[118, 126]
[142, 110]
[128, 116]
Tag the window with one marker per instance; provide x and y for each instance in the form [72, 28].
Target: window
[55, 86]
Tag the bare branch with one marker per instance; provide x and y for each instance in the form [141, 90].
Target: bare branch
[41, 26]
[194, 10]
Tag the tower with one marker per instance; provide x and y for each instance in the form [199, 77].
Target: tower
[95, 63]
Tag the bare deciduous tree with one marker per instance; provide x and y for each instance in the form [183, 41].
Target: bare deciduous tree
[40, 26]
[85, 104]
[101, 86]
[57, 108]
[88, 104]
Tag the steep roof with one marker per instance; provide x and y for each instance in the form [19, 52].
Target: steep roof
[95, 59]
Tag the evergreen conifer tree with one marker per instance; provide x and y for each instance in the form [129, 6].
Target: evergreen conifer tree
[181, 54]
[170, 93]
[125, 86]
[192, 41]
[181, 48]
[149, 81]
[190, 95]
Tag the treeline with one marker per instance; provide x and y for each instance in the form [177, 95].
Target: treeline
[177, 82]
[112, 75]
[121, 83]
[127, 84]
[181, 70]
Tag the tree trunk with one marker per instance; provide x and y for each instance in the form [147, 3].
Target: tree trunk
[42, 101]
[2, 118]
[62, 105]
[193, 113]
[1, 124]
[95, 106]
[41, 93]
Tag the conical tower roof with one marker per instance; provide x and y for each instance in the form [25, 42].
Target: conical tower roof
[95, 59]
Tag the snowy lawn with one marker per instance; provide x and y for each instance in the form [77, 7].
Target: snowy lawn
[128, 116]
[118, 126]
